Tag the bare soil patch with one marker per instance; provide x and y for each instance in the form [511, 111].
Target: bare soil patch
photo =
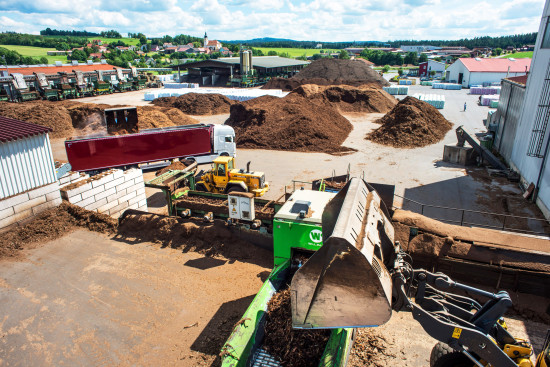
[411, 124]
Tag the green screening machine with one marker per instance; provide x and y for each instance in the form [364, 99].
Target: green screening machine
[297, 233]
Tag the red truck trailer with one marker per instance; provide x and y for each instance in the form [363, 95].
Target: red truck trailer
[200, 142]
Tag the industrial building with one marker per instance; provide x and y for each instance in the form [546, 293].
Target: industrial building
[241, 71]
[477, 71]
[525, 144]
[425, 68]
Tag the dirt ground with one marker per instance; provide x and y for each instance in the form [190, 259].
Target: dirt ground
[88, 299]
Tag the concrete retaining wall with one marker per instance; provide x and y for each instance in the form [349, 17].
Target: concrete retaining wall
[20, 208]
[110, 192]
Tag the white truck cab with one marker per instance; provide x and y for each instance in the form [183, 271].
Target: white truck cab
[223, 144]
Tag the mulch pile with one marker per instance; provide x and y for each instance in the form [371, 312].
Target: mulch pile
[411, 124]
[52, 224]
[329, 71]
[41, 113]
[368, 349]
[349, 99]
[71, 118]
[197, 103]
[292, 347]
[291, 123]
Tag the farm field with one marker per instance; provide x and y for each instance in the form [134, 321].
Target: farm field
[293, 52]
[128, 41]
[36, 52]
[519, 55]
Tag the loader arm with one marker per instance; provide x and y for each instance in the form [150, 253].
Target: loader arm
[360, 275]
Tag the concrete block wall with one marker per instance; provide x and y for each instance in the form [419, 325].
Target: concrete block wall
[19, 208]
[71, 177]
[110, 192]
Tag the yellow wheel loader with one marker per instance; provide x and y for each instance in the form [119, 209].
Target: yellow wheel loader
[224, 178]
[360, 274]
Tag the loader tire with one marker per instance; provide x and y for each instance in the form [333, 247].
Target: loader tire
[200, 187]
[235, 188]
[445, 356]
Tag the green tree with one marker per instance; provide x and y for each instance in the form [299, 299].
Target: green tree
[497, 51]
[79, 55]
[411, 58]
[285, 54]
[317, 56]
[272, 53]
[400, 71]
[423, 58]
[142, 40]
[343, 55]
[303, 57]
[386, 68]
[43, 60]
[63, 46]
[197, 44]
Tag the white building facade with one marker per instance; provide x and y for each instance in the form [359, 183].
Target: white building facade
[532, 142]
[476, 71]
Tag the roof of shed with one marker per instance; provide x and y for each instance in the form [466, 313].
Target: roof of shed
[496, 65]
[257, 61]
[12, 129]
[56, 69]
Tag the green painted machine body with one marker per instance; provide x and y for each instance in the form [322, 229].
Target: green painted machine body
[297, 225]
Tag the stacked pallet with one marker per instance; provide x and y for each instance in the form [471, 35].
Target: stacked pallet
[402, 91]
[436, 100]
[448, 86]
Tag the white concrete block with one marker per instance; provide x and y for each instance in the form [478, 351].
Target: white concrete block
[141, 191]
[78, 190]
[114, 183]
[103, 180]
[85, 202]
[143, 203]
[47, 205]
[14, 200]
[65, 179]
[138, 179]
[132, 174]
[74, 176]
[15, 218]
[53, 195]
[118, 208]
[105, 193]
[127, 197]
[115, 197]
[134, 188]
[4, 213]
[27, 205]
[117, 173]
[125, 185]
[135, 200]
[92, 192]
[75, 199]
[106, 207]
[96, 204]
[43, 190]
[133, 206]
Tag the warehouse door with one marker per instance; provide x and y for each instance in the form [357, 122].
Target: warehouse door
[460, 77]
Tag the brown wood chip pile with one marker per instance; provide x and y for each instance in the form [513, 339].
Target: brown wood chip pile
[411, 124]
[51, 224]
[42, 113]
[349, 99]
[369, 349]
[328, 71]
[290, 123]
[291, 346]
[197, 103]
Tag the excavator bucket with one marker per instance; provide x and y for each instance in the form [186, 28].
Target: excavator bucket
[346, 283]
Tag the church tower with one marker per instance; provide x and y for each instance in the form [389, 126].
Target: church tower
[205, 40]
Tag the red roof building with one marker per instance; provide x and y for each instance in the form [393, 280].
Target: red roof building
[49, 70]
[475, 71]
[496, 65]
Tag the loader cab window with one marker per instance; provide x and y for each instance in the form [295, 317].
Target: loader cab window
[220, 170]
[230, 165]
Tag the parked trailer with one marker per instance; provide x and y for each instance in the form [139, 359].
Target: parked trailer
[200, 142]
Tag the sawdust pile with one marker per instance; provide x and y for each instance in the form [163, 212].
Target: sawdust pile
[52, 224]
[71, 118]
[411, 124]
[292, 347]
[290, 123]
[197, 103]
[210, 239]
[349, 99]
[330, 71]
[369, 349]
[41, 113]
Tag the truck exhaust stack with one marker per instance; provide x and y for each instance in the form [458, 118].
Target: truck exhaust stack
[346, 282]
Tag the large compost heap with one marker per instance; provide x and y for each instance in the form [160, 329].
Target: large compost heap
[197, 103]
[70, 118]
[329, 71]
[349, 99]
[291, 123]
[411, 124]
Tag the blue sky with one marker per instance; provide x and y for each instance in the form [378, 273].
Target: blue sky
[320, 20]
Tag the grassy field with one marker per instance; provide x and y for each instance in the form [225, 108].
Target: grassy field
[36, 52]
[128, 41]
[520, 55]
[294, 52]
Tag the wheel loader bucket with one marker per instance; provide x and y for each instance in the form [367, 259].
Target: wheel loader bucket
[346, 282]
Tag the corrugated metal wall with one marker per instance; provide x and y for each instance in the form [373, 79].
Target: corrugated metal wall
[508, 112]
[25, 164]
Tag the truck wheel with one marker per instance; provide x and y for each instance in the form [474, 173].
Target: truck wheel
[445, 356]
[224, 154]
[200, 187]
[235, 189]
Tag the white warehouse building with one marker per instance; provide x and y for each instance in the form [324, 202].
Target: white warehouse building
[476, 71]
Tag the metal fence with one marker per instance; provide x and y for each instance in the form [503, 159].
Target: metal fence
[476, 218]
